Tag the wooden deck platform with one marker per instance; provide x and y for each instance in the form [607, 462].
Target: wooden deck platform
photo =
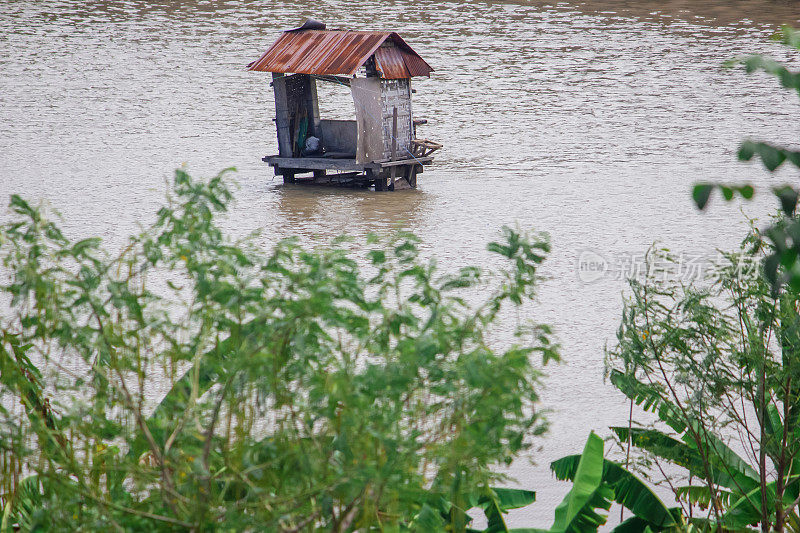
[308, 164]
[384, 175]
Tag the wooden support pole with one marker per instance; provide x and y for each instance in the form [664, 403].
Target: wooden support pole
[380, 181]
[394, 148]
[394, 134]
[412, 175]
[282, 115]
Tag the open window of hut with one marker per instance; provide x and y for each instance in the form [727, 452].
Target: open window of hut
[375, 142]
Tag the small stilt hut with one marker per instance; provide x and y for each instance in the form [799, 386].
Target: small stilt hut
[380, 147]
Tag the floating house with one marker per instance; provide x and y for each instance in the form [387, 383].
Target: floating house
[380, 147]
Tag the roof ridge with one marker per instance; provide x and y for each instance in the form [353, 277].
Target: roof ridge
[332, 52]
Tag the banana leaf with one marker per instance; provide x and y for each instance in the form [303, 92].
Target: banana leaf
[578, 511]
[730, 476]
[746, 509]
[497, 501]
[650, 398]
[23, 511]
[629, 491]
[723, 458]
[633, 524]
[701, 496]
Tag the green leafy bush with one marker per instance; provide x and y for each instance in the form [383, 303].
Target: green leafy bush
[306, 391]
[717, 361]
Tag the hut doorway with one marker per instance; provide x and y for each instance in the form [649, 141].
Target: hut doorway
[338, 130]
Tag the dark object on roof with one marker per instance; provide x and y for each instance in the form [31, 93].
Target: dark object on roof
[310, 24]
[330, 52]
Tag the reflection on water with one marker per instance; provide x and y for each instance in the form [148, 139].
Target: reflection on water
[313, 211]
[588, 120]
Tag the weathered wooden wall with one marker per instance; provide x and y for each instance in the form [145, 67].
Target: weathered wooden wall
[396, 94]
[367, 99]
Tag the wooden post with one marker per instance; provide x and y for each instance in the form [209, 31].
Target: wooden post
[394, 134]
[412, 176]
[380, 181]
[282, 115]
[394, 148]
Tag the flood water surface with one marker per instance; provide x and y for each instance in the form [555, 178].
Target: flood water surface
[589, 121]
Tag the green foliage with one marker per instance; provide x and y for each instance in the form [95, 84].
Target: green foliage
[772, 156]
[596, 483]
[498, 501]
[303, 391]
[721, 359]
[578, 510]
[715, 360]
[442, 513]
[24, 508]
[702, 497]
[701, 192]
[782, 265]
[438, 514]
[717, 461]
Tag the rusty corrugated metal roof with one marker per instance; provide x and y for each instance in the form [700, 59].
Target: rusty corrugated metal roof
[331, 52]
[416, 65]
[389, 61]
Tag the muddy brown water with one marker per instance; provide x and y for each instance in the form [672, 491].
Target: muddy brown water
[587, 120]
